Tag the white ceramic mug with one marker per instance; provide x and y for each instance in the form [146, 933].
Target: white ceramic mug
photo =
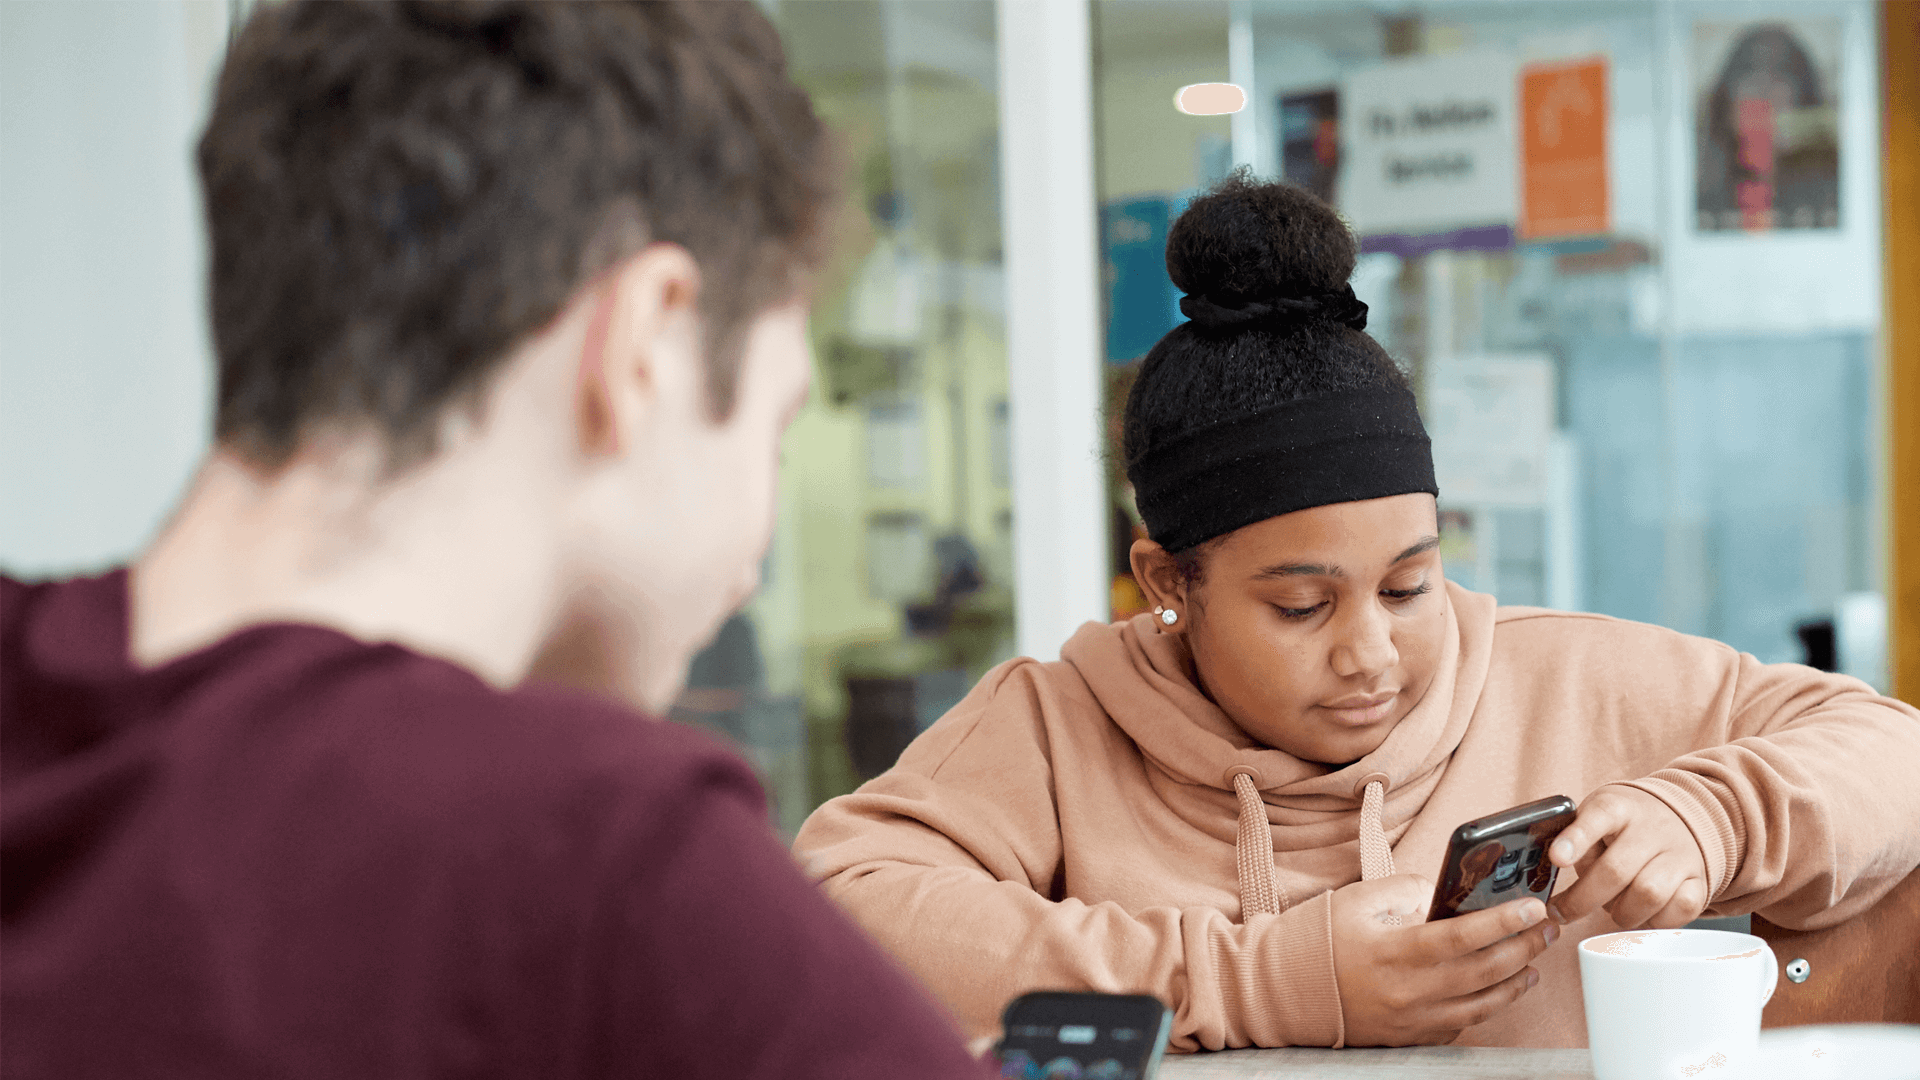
[1675, 1004]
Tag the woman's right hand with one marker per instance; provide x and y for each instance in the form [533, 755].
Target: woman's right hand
[1427, 982]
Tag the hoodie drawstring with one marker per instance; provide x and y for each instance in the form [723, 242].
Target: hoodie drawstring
[1376, 858]
[1260, 891]
[1260, 888]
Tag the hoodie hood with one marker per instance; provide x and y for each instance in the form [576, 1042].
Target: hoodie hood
[1143, 679]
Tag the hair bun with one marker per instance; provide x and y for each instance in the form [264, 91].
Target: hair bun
[1247, 251]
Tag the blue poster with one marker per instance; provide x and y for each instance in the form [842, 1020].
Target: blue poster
[1142, 304]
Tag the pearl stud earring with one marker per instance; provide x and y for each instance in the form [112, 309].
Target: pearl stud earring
[1169, 616]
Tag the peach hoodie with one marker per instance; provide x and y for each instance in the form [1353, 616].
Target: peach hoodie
[1077, 824]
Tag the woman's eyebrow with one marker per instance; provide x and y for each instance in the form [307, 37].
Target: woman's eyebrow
[1300, 570]
[1420, 548]
[1327, 570]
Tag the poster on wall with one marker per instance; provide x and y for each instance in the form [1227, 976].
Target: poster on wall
[1310, 140]
[1141, 304]
[1563, 150]
[1767, 124]
[1491, 420]
[1428, 153]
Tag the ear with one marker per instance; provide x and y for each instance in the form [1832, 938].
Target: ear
[1159, 578]
[594, 408]
[643, 346]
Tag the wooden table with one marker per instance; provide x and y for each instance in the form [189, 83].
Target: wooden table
[1438, 1062]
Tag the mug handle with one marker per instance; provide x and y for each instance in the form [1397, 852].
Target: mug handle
[1773, 974]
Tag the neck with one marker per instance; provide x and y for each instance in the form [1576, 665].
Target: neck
[329, 540]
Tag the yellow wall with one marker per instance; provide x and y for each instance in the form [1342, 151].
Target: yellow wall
[1900, 37]
[930, 135]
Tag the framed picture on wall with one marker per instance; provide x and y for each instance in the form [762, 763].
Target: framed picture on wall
[1767, 124]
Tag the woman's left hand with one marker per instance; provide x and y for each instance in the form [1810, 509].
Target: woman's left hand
[1635, 857]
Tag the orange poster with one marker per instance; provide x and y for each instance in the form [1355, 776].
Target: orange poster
[1563, 149]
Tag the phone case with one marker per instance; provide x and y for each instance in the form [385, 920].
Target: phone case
[1500, 857]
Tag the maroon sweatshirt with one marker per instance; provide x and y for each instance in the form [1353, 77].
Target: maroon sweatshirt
[292, 854]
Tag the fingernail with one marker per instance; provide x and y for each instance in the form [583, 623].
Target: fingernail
[1533, 979]
[1553, 912]
[1552, 932]
[1535, 914]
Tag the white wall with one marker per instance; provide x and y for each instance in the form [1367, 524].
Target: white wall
[105, 369]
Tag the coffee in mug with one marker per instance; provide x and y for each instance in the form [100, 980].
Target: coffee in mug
[1675, 1004]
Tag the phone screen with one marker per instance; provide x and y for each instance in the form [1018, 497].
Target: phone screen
[1066, 1036]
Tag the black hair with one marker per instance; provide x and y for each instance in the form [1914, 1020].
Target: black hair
[1244, 241]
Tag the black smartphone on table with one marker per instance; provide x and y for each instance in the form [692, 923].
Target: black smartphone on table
[1500, 857]
[1055, 1035]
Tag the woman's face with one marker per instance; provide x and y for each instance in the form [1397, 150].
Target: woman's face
[1316, 631]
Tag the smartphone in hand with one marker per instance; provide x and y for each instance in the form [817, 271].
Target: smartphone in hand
[1500, 857]
[1056, 1036]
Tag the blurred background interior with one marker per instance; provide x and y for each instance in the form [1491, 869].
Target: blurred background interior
[1631, 251]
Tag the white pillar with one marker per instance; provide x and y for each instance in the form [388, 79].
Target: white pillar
[1048, 218]
[1243, 127]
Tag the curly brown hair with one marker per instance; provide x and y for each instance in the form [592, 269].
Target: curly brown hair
[399, 193]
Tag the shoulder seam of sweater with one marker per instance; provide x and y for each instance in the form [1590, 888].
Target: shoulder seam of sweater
[1005, 672]
[1524, 613]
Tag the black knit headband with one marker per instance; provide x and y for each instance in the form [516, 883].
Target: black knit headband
[1361, 444]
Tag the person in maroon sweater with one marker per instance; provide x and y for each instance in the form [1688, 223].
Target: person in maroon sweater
[509, 302]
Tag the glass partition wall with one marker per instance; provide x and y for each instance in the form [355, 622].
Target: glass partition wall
[887, 591]
[1149, 160]
[1629, 252]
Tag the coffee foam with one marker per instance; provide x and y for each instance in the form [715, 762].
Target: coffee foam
[1625, 943]
[1617, 944]
[1628, 943]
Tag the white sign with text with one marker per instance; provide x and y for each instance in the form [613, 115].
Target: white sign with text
[1428, 144]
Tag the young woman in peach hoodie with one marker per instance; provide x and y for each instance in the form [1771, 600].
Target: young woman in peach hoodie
[1210, 803]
